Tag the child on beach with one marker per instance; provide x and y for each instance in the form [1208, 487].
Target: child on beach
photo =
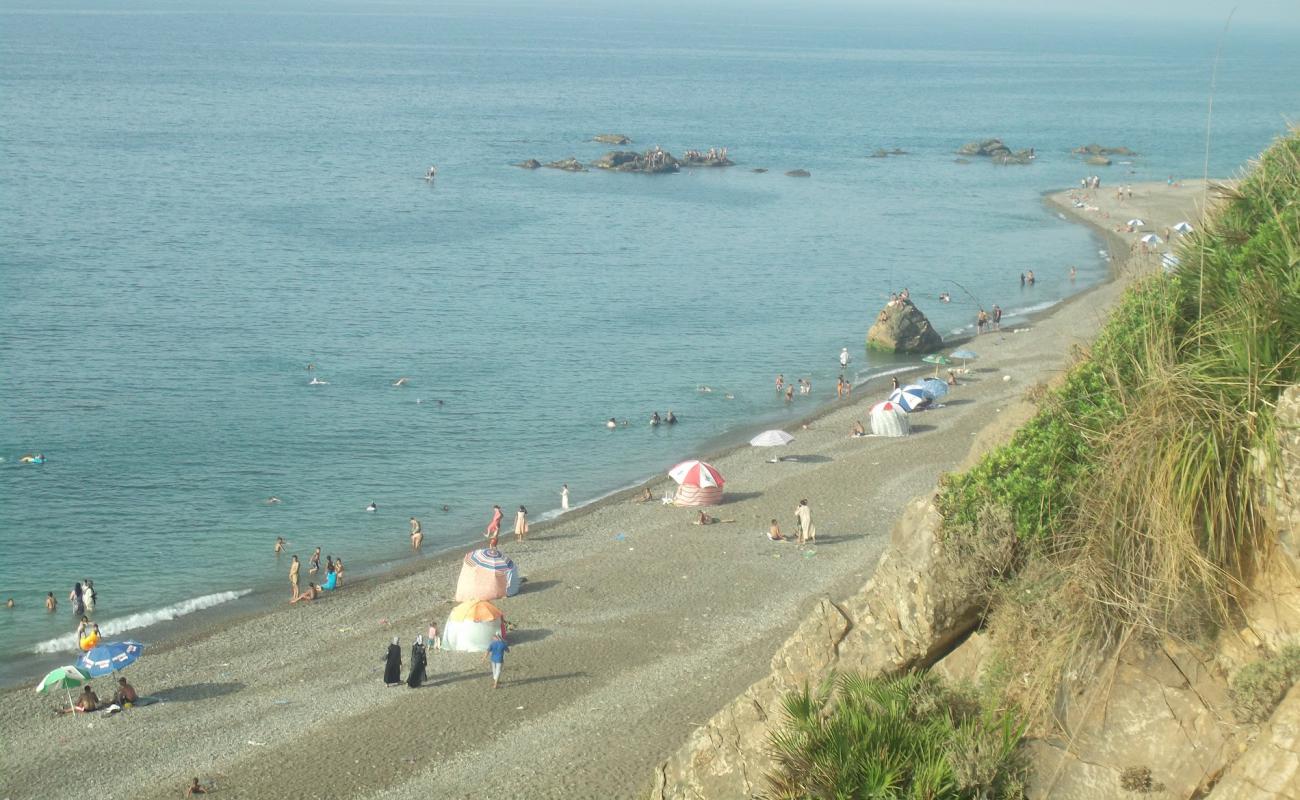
[434, 640]
[774, 533]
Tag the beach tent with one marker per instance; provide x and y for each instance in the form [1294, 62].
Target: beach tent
[471, 626]
[934, 388]
[1151, 238]
[909, 398]
[889, 419]
[1184, 227]
[698, 484]
[487, 574]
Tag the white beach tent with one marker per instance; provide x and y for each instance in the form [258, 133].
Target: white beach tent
[1151, 238]
[1184, 227]
[471, 626]
[889, 419]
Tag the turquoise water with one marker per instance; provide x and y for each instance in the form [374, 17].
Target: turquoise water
[196, 205]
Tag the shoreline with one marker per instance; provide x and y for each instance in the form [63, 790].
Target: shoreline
[634, 626]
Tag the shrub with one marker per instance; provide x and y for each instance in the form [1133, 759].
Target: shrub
[1258, 688]
[900, 737]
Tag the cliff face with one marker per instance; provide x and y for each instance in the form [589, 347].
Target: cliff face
[1154, 718]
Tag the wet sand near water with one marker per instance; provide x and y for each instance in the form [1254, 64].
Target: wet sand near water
[634, 626]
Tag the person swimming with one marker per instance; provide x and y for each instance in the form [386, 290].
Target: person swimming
[400, 382]
[431, 174]
[654, 418]
[272, 501]
[317, 382]
[372, 506]
[611, 424]
[672, 418]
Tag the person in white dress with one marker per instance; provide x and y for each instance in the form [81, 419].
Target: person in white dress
[564, 497]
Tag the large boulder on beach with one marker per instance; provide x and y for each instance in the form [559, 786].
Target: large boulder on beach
[616, 139]
[900, 327]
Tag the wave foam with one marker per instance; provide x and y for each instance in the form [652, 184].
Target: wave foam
[115, 626]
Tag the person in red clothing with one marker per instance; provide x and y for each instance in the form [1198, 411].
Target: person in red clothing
[494, 527]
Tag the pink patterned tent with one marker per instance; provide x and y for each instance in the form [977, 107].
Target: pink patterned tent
[698, 484]
[487, 575]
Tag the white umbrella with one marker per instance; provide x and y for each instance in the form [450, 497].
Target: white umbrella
[771, 438]
[1151, 238]
[1184, 227]
[1136, 223]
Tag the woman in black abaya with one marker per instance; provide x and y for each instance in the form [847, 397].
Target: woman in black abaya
[393, 664]
[418, 660]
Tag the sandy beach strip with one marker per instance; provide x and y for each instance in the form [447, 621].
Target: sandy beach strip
[633, 626]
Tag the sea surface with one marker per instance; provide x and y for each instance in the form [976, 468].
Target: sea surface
[198, 201]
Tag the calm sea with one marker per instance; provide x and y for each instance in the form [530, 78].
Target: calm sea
[198, 202]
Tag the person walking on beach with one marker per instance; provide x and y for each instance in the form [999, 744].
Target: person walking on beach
[521, 524]
[314, 565]
[417, 534]
[494, 527]
[294, 566]
[496, 655]
[393, 663]
[564, 497]
[419, 659]
[997, 317]
[803, 516]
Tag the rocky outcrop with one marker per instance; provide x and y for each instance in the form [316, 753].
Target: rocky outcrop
[1097, 161]
[883, 153]
[996, 151]
[531, 163]
[909, 614]
[616, 139]
[1270, 768]
[759, 169]
[799, 173]
[651, 162]
[569, 164]
[1098, 150]
[900, 327]
[713, 157]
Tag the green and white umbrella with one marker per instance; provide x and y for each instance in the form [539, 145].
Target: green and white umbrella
[936, 360]
[66, 677]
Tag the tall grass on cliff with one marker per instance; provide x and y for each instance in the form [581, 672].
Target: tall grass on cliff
[902, 737]
[1145, 475]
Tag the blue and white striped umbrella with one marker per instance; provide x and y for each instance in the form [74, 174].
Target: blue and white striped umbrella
[909, 398]
[934, 387]
[109, 658]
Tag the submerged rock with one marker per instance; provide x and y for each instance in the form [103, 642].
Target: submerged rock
[1098, 150]
[759, 169]
[881, 152]
[531, 163]
[799, 173]
[569, 164]
[1099, 161]
[612, 138]
[900, 327]
[651, 162]
[998, 152]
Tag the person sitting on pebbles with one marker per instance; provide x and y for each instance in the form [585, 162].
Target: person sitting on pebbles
[858, 431]
[705, 519]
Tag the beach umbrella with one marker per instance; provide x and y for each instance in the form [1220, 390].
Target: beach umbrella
[110, 657]
[696, 473]
[965, 355]
[771, 439]
[936, 360]
[935, 387]
[1136, 223]
[1151, 238]
[1184, 227]
[888, 419]
[487, 574]
[1169, 261]
[64, 677]
[909, 398]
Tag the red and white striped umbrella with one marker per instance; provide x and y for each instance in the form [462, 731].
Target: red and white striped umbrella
[696, 473]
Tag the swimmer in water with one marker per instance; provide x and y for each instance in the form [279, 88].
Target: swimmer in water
[704, 389]
[431, 174]
[272, 501]
[611, 424]
[279, 545]
[317, 382]
[311, 366]
[445, 509]
[672, 418]
[400, 382]
[372, 506]
[654, 418]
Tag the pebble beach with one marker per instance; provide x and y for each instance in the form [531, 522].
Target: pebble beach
[633, 625]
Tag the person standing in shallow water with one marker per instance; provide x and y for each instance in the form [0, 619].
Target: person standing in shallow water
[494, 527]
[564, 497]
[294, 566]
[417, 534]
[521, 524]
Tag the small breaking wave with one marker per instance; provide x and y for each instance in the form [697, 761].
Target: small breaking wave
[113, 627]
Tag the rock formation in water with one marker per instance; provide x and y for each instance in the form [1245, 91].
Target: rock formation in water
[900, 327]
[569, 164]
[617, 139]
[1098, 150]
[799, 173]
[1097, 161]
[713, 157]
[883, 153]
[651, 162]
[997, 152]
[759, 169]
[531, 163]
